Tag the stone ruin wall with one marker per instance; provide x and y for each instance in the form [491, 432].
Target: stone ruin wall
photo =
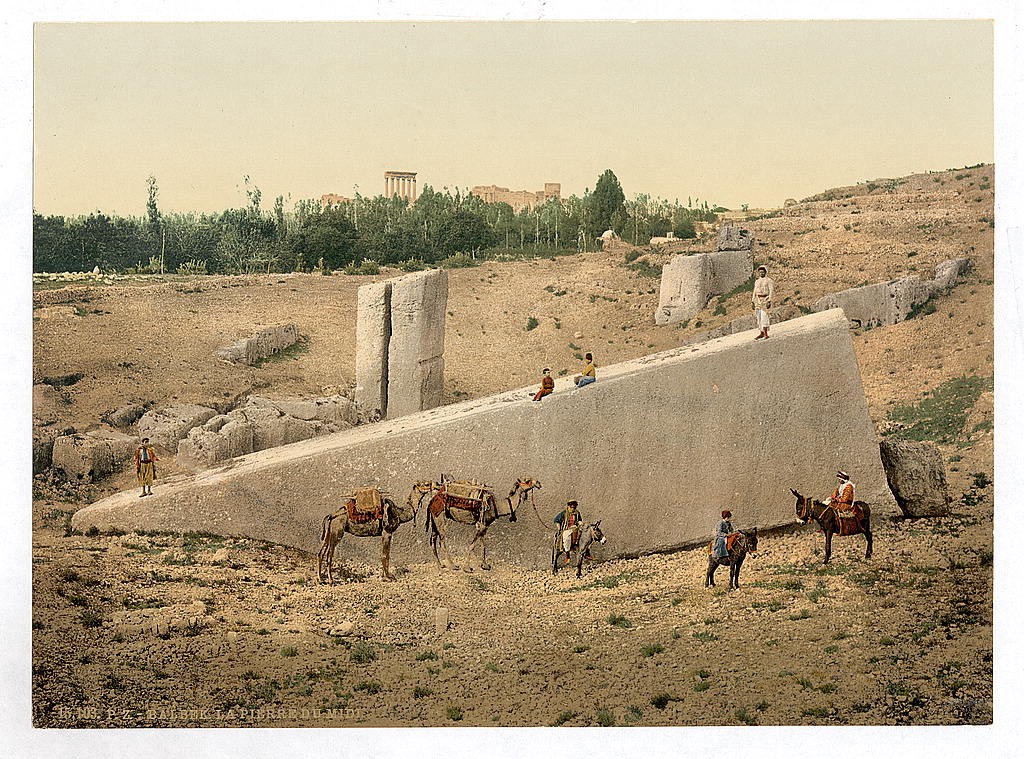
[656, 448]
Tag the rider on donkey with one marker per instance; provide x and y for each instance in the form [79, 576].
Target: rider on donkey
[842, 497]
[569, 520]
[722, 532]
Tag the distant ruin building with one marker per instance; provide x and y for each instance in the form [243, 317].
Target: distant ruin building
[330, 199]
[518, 199]
[401, 184]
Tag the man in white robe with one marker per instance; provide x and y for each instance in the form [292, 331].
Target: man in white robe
[761, 300]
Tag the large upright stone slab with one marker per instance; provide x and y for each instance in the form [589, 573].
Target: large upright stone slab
[373, 334]
[688, 282]
[416, 351]
[655, 449]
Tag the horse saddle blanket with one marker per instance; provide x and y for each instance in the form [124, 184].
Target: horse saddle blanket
[365, 505]
[465, 495]
[729, 540]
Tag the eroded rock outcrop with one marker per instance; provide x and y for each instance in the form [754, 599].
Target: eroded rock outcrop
[264, 423]
[165, 427]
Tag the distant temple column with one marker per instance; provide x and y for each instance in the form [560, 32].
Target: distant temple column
[400, 183]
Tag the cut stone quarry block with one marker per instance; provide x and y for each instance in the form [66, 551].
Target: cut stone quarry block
[917, 477]
[165, 427]
[373, 334]
[415, 372]
[886, 303]
[263, 344]
[93, 454]
[743, 324]
[878, 305]
[688, 282]
[655, 449]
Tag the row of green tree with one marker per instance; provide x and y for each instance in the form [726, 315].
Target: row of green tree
[311, 235]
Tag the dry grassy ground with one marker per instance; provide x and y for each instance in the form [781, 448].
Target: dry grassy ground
[904, 638]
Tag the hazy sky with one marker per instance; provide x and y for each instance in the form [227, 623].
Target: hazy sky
[730, 111]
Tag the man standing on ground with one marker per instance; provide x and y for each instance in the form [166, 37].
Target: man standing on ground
[145, 467]
[761, 300]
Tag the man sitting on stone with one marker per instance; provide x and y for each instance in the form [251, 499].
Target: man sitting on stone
[547, 385]
[842, 497]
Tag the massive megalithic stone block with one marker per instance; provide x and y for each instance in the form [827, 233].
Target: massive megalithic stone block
[656, 448]
[689, 281]
[416, 352]
[373, 334]
[400, 344]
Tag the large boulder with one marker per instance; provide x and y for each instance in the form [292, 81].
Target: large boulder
[165, 427]
[949, 272]
[917, 477]
[92, 455]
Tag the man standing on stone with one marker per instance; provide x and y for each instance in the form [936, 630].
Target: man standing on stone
[761, 300]
[145, 467]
